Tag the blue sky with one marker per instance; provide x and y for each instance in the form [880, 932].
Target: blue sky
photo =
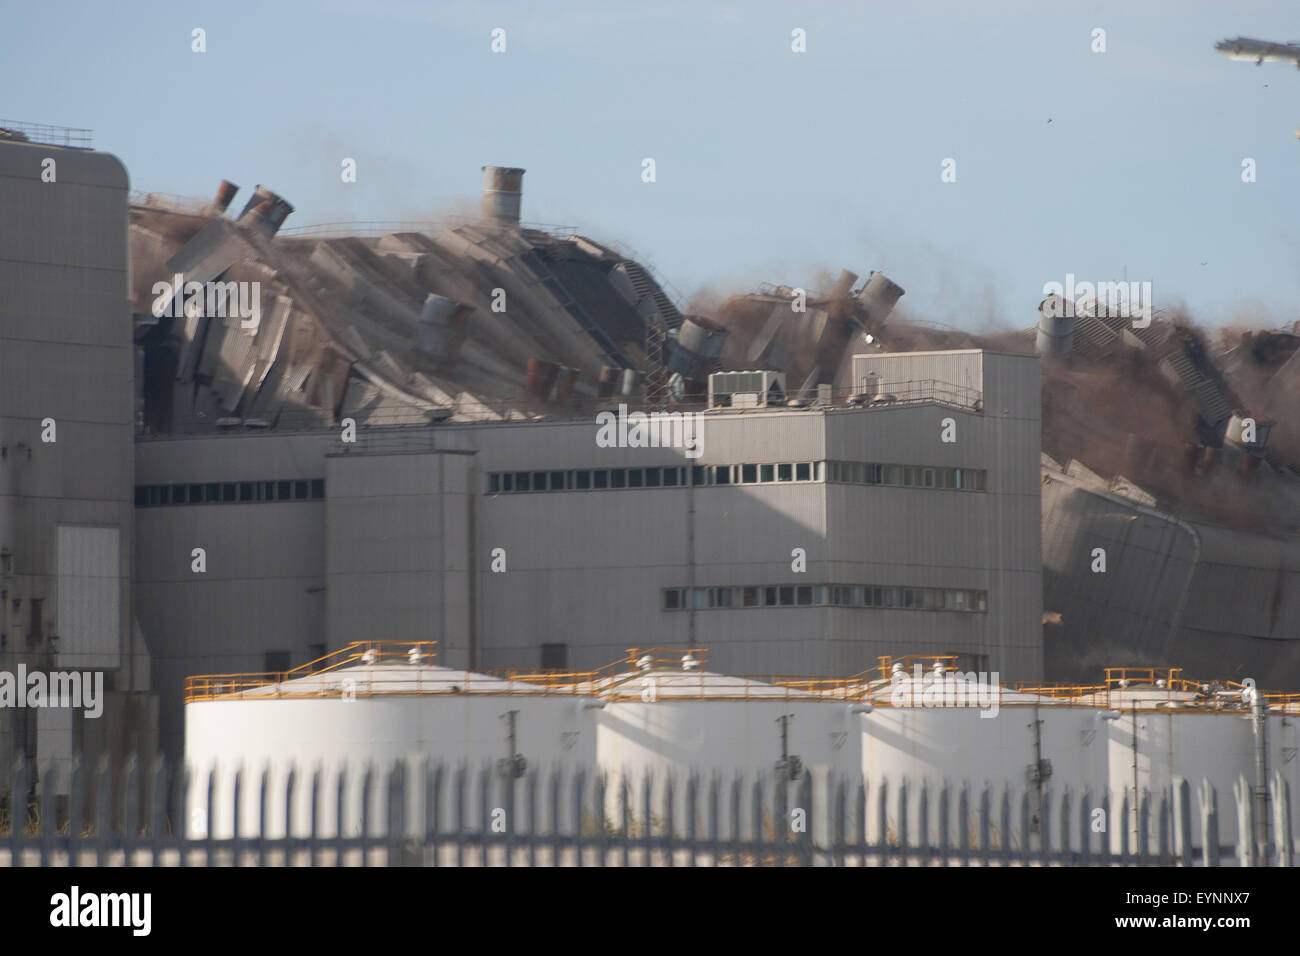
[770, 165]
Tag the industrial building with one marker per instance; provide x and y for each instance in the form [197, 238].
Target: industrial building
[67, 456]
[511, 439]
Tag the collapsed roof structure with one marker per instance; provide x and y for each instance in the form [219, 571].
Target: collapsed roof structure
[488, 319]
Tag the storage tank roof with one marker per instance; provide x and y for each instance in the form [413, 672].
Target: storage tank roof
[365, 669]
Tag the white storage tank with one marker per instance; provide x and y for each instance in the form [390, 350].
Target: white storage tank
[667, 716]
[930, 721]
[370, 705]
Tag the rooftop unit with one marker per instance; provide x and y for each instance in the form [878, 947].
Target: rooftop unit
[755, 389]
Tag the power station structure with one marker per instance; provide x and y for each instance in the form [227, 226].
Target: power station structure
[267, 444]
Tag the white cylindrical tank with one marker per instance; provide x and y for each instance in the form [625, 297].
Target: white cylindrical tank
[973, 733]
[373, 715]
[678, 723]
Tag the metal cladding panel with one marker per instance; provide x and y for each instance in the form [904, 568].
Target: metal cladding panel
[598, 592]
[964, 368]
[1123, 615]
[758, 437]
[247, 456]
[389, 549]
[263, 589]
[1013, 386]
[89, 583]
[77, 221]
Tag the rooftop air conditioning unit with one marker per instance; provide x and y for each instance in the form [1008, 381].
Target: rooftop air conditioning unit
[755, 389]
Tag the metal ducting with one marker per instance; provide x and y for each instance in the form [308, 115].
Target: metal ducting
[1055, 327]
[225, 194]
[443, 325]
[541, 378]
[879, 296]
[266, 211]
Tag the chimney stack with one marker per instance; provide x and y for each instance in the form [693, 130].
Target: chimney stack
[502, 194]
[225, 193]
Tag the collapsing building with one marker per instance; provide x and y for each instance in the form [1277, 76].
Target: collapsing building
[407, 444]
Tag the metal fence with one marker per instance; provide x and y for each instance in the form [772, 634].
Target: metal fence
[506, 815]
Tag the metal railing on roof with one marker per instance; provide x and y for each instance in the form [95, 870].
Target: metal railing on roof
[46, 134]
[172, 202]
[348, 674]
[521, 408]
[372, 228]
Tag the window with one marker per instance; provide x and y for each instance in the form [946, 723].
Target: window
[817, 471]
[196, 494]
[539, 481]
[803, 471]
[582, 480]
[636, 477]
[652, 477]
[670, 477]
[722, 475]
[180, 494]
[246, 492]
[819, 594]
[229, 491]
[284, 489]
[618, 478]
[523, 481]
[927, 477]
[700, 598]
[787, 596]
[142, 496]
[767, 473]
[672, 599]
[769, 597]
[784, 472]
[748, 474]
[555, 657]
[749, 597]
[803, 595]
[494, 483]
[318, 488]
[507, 482]
[300, 489]
[893, 475]
[600, 479]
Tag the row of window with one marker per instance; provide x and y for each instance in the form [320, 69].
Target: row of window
[907, 476]
[910, 476]
[822, 595]
[585, 479]
[212, 493]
